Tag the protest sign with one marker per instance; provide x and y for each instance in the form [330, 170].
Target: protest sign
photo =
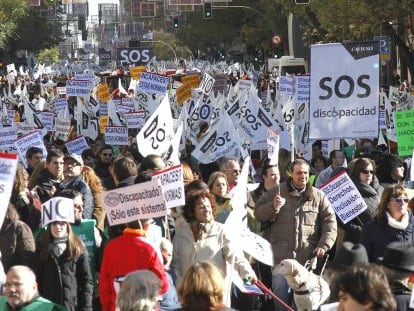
[193, 80]
[404, 125]
[62, 127]
[256, 246]
[116, 135]
[136, 119]
[33, 139]
[77, 145]
[139, 201]
[103, 122]
[102, 92]
[249, 289]
[344, 95]
[244, 85]
[8, 166]
[47, 119]
[58, 209]
[152, 83]
[273, 139]
[60, 105]
[136, 72]
[285, 87]
[61, 90]
[344, 197]
[77, 88]
[172, 184]
[183, 93]
[8, 135]
[207, 83]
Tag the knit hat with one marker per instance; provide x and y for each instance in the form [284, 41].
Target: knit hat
[350, 254]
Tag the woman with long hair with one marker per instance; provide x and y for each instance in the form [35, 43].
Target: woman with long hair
[219, 187]
[94, 182]
[393, 222]
[62, 270]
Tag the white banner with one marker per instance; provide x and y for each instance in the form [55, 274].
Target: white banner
[77, 145]
[152, 83]
[47, 119]
[8, 135]
[344, 90]
[33, 139]
[62, 127]
[285, 87]
[139, 201]
[58, 209]
[8, 166]
[116, 135]
[207, 83]
[158, 132]
[221, 140]
[136, 119]
[256, 246]
[172, 184]
[344, 197]
[77, 88]
[273, 138]
[60, 105]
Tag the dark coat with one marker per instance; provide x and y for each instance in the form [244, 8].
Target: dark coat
[17, 244]
[66, 281]
[45, 182]
[371, 195]
[376, 235]
[402, 295]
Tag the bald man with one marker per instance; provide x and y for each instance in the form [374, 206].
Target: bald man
[20, 292]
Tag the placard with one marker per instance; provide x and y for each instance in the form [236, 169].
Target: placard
[58, 209]
[116, 135]
[172, 184]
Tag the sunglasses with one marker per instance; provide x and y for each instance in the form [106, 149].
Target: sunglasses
[107, 154]
[367, 172]
[400, 200]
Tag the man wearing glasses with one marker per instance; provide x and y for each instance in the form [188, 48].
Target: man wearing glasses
[72, 171]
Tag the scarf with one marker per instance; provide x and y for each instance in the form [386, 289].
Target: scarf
[400, 225]
[58, 246]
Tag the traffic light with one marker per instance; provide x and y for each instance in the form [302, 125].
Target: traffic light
[81, 23]
[207, 10]
[175, 22]
[302, 1]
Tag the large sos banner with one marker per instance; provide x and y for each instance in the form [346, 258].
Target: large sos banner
[136, 56]
[344, 90]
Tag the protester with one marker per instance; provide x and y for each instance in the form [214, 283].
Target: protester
[169, 299]
[22, 199]
[140, 291]
[297, 212]
[219, 187]
[17, 244]
[125, 254]
[88, 157]
[336, 158]
[50, 177]
[72, 172]
[62, 267]
[21, 292]
[365, 287]
[362, 175]
[202, 288]
[33, 157]
[231, 168]
[210, 238]
[94, 183]
[318, 163]
[393, 222]
[391, 170]
[103, 160]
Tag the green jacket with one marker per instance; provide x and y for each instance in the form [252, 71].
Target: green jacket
[38, 304]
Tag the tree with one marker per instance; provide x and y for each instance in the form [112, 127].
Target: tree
[48, 55]
[11, 13]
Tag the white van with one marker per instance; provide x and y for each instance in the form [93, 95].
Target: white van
[287, 65]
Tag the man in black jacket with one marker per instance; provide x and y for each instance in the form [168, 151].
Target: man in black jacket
[50, 177]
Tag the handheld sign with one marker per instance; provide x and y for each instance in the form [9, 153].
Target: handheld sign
[58, 209]
[139, 201]
[8, 166]
[344, 197]
[172, 184]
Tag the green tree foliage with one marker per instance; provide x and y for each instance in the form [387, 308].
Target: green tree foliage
[48, 55]
[11, 13]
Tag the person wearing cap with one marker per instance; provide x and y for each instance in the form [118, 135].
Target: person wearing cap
[398, 263]
[72, 171]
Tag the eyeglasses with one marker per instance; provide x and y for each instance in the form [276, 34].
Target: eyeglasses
[236, 171]
[107, 154]
[400, 200]
[367, 172]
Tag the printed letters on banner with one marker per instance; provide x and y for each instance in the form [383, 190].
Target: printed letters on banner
[152, 83]
[172, 184]
[33, 139]
[344, 90]
[77, 145]
[58, 209]
[8, 165]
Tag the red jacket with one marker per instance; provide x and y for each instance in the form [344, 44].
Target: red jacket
[122, 255]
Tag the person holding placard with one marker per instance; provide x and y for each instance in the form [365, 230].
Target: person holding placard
[393, 222]
[61, 263]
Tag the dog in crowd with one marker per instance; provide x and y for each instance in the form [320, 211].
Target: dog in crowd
[309, 289]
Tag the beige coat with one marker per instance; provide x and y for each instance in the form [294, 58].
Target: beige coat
[304, 222]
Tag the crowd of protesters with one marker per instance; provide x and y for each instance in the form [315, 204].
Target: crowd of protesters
[181, 261]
